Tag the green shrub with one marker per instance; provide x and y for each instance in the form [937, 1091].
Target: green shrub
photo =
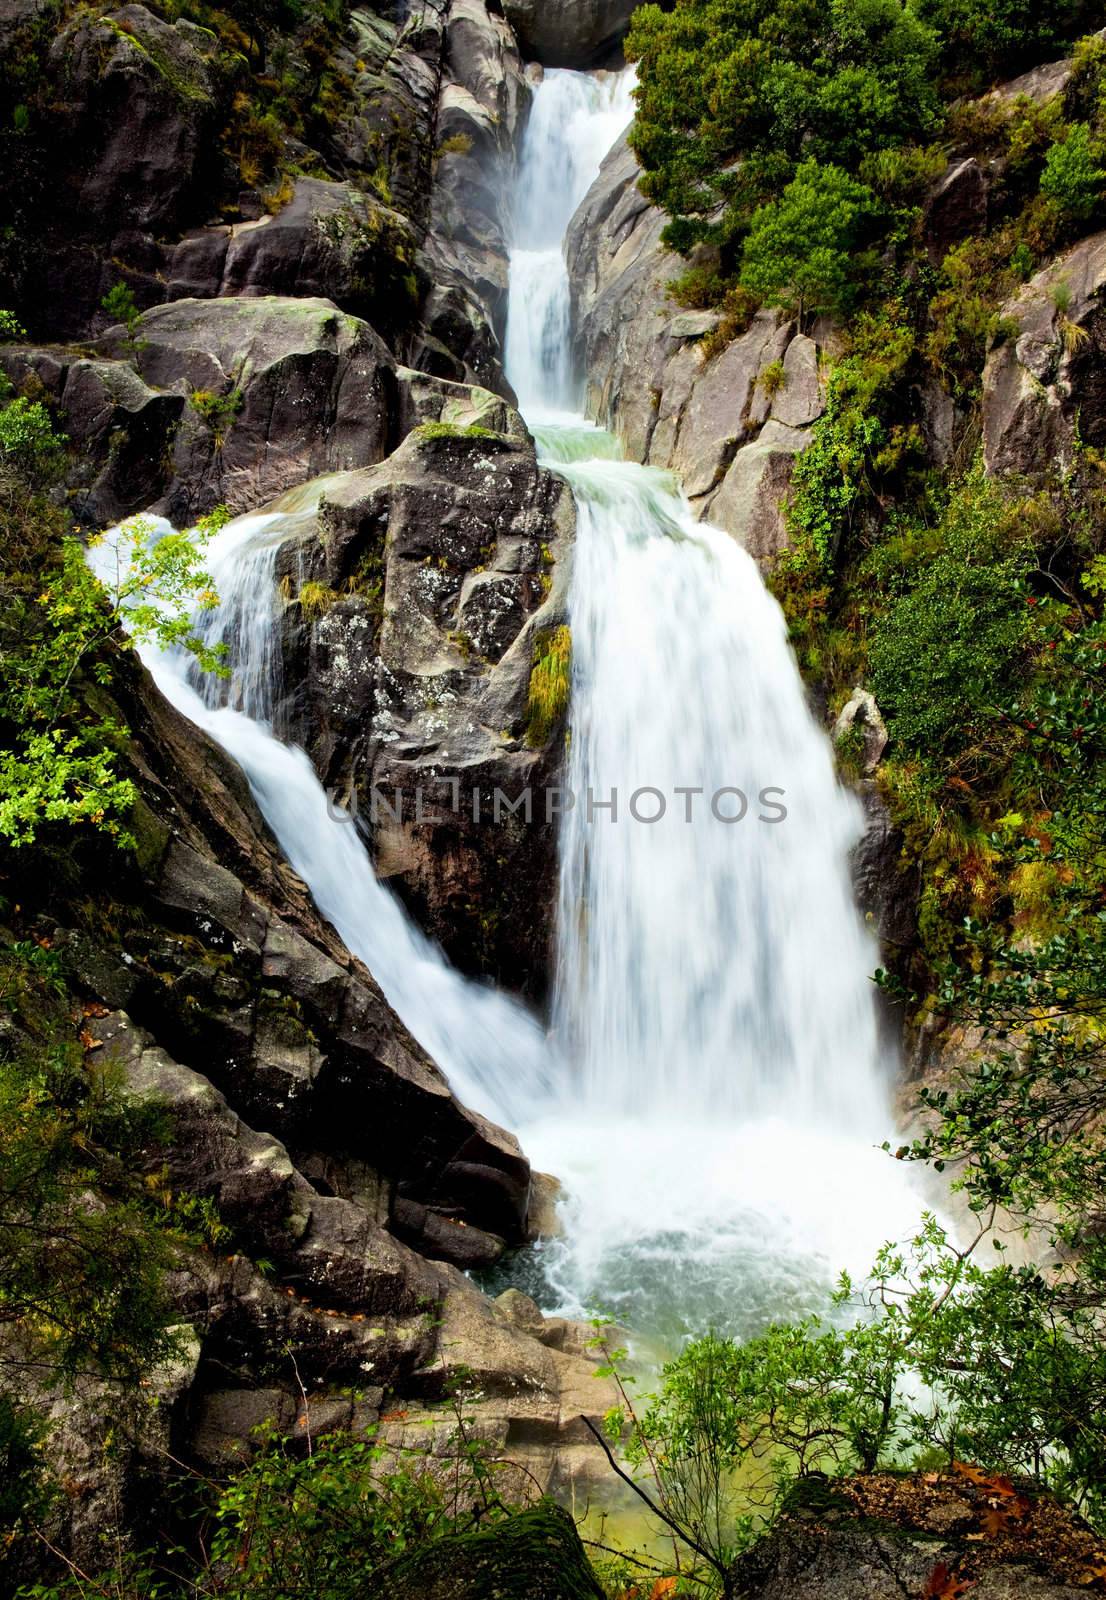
[802, 249]
[217, 410]
[1073, 178]
[950, 647]
[60, 761]
[1000, 37]
[29, 444]
[119, 303]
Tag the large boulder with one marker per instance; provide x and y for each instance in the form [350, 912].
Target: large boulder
[536, 1555]
[569, 33]
[330, 241]
[126, 155]
[278, 391]
[226, 400]
[1044, 388]
[730, 423]
[441, 575]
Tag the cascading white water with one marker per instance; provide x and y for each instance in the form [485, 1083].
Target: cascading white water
[490, 1047]
[573, 123]
[721, 1089]
[714, 1090]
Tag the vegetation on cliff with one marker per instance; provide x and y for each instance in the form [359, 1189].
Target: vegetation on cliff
[796, 152]
[795, 148]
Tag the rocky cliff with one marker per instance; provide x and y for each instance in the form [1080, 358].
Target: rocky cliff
[316, 288]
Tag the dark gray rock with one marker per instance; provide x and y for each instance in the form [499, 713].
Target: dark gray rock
[955, 208]
[482, 101]
[309, 389]
[128, 156]
[885, 881]
[1047, 379]
[329, 241]
[446, 569]
[536, 1555]
[569, 33]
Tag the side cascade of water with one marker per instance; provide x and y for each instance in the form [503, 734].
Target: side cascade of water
[722, 1090]
[490, 1047]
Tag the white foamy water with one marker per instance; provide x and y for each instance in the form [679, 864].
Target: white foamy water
[575, 120]
[713, 1092]
[490, 1047]
[721, 1092]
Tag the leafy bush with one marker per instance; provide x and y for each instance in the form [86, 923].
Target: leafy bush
[1073, 177]
[119, 303]
[1001, 38]
[59, 761]
[218, 411]
[802, 248]
[316, 1522]
[950, 647]
[720, 82]
[29, 444]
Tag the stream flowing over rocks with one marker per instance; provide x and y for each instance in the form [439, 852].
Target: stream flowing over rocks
[460, 426]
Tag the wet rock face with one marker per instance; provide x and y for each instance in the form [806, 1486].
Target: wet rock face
[483, 101]
[330, 240]
[128, 157]
[732, 425]
[1047, 379]
[444, 569]
[569, 33]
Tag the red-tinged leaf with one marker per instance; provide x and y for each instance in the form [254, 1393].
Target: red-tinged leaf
[945, 1585]
[995, 1521]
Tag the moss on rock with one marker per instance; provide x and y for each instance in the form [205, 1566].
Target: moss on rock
[536, 1555]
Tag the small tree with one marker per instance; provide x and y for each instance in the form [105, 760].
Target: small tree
[1073, 178]
[59, 763]
[119, 303]
[801, 249]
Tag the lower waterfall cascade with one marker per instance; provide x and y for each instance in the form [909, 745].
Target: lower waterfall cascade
[722, 1091]
[711, 1092]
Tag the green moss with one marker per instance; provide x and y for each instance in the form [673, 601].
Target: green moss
[550, 685]
[429, 431]
[535, 1555]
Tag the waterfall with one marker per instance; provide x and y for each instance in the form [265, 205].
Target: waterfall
[712, 1092]
[489, 1046]
[721, 1090]
[573, 123]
